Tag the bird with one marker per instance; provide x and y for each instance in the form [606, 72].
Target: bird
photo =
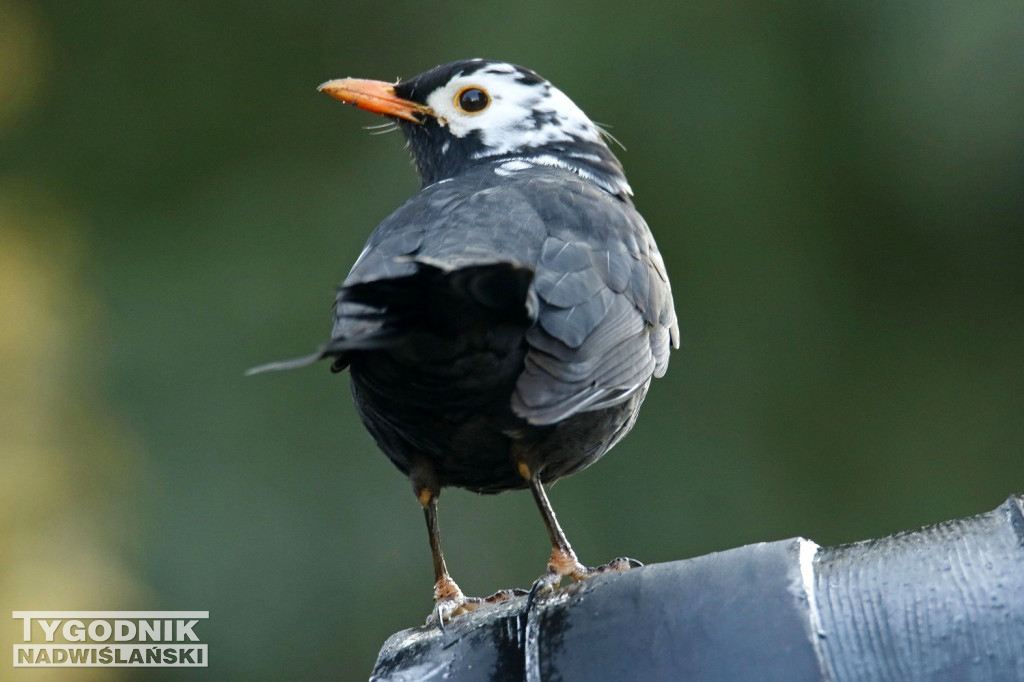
[501, 328]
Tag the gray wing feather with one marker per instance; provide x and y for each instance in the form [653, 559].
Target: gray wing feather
[605, 320]
[603, 307]
[610, 364]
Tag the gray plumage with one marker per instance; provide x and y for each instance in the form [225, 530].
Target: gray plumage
[501, 327]
[587, 334]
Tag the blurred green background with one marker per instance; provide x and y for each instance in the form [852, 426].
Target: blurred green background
[837, 189]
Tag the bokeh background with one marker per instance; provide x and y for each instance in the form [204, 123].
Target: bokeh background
[837, 189]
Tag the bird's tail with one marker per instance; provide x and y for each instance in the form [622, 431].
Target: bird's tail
[432, 295]
[434, 299]
[293, 363]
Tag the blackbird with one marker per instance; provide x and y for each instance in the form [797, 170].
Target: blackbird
[501, 328]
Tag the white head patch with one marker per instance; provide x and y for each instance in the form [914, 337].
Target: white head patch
[520, 114]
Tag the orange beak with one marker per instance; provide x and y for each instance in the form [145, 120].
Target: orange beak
[376, 96]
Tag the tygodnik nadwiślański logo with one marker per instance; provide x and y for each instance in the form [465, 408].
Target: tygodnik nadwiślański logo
[111, 639]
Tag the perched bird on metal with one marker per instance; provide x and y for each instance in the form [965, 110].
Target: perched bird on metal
[501, 328]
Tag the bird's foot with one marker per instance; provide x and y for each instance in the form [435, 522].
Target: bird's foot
[449, 601]
[564, 564]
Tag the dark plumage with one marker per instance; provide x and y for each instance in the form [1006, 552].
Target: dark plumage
[501, 327]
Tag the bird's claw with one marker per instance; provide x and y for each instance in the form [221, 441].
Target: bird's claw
[542, 585]
[622, 563]
[564, 564]
[451, 603]
[446, 609]
[505, 595]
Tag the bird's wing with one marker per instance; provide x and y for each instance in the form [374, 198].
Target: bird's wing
[606, 321]
[471, 221]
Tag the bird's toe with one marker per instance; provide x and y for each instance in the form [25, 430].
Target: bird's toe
[545, 584]
[564, 565]
[622, 563]
[456, 603]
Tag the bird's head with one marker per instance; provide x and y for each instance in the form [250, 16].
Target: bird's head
[468, 112]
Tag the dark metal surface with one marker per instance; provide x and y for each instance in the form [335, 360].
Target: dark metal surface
[942, 603]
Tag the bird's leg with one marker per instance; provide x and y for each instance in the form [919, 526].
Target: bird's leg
[446, 590]
[449, 601]
[563, 562]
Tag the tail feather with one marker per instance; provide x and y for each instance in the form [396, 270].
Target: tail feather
[282, 365]
[376, 314]
[499, 288]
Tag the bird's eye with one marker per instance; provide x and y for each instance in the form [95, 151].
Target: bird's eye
[472, 100]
